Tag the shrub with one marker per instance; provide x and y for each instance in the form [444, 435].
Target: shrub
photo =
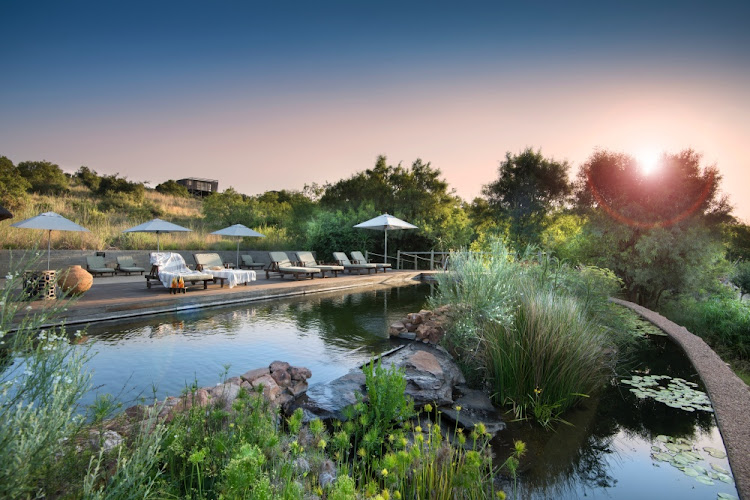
[741, 277]
[172, 188]
[13, 186]
[44, 177]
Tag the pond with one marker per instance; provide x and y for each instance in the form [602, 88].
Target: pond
[606, 452]
[329, 333]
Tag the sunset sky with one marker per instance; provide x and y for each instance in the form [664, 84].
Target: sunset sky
[274, 95]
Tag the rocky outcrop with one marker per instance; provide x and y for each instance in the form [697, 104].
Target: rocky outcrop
[430, 372]
[424, 326]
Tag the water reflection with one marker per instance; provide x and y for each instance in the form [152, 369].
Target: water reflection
[606, 452]
[328, 333]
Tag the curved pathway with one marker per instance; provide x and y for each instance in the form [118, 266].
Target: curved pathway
[730, 396]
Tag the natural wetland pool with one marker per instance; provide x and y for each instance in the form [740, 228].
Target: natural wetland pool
[622, 443]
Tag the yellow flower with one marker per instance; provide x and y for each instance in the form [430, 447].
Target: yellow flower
[397, 495]
[500, 495]
[418, 428]
[361, 452]
[480, 428]
[386, 495]
[428, 407]
[384, 472]
[537, 391]
[457, 407]
[391, 437]
[322, 444]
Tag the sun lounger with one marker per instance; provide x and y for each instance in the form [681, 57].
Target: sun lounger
[95, 265]
[166, 266]
[358, 258]
[126, 265]
[246, 261]
[211, 262]
[306, 259]
[343, 260]
[281, 265]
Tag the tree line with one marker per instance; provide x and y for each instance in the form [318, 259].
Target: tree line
[668, 232]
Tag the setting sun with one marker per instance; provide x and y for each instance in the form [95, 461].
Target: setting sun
[648, 161]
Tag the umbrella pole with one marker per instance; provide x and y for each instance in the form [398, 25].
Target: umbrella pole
[238, 252]
[49, 243]
[158, 245]
[385, 257]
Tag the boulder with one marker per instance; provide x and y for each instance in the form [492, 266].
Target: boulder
[279, 365]
[476, 407]
[270, 388]
[226, 393]
[328, 400]
[198, 398]
[253, 374]
[282, 377]
[297, 389]
[300, 373]
[396, 328]
[105, 441]
[415, 318]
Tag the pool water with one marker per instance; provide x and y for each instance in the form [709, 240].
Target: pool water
[329, 333]
[605, 453]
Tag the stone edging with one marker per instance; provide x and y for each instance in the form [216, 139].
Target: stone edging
[730, 396]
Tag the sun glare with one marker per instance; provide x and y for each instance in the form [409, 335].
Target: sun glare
[648, 161]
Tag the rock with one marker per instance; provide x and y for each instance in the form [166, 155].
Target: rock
[106, 440]
[226, 393]
[396, 328]
[426, 314]
[283, 400]
[327, 473]
[328, 400]
[415, 318]
[234, 380]
[407, 335]
[430, 373]
[270, 388]
[247, 386]
[279, 365]
[410, 327]
[475, 407]
[301, 466]
[300, 373]
[253, 374]
[282, 377]
[198, 398]
[297, 389]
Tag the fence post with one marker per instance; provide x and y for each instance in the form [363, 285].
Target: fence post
[415, 261]
[398, 259]
[367, 256]
[432, 260]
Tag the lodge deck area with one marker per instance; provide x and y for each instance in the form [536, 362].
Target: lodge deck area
[112, 298]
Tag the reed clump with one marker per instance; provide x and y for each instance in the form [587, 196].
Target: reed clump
[537, 330]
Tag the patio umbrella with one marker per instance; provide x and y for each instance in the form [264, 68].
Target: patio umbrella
[384, 223]
[50, 221]
[240, 231]
[4, 214]
[157, 226]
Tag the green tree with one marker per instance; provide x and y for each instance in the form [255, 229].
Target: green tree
[88, 178]
[416, 194]
[528, 188]
[44, 177]
[13, 186]
[172, 188]
[659, 231]
[741, 277]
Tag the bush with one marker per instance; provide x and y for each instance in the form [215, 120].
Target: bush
[13, 186]
[535, 327]
[741, 277]
[172, 188]
[44, 177]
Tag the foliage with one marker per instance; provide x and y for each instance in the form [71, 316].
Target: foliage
[741, 277]
[721, 320]
[737, 238]
[658, 231]
[528, 187]
[564, 236]
[13, 186]
[44, 177]
[416, 195]
[536, 328]
[41, 382]
[333, 231]
[88, 178]
[110, 185]
[171, 187]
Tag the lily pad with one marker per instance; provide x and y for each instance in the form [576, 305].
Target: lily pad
[689, 471]
[725, 496]
[724, 478]
[663, 438]
[672, 447]
[704, 480]
[715, 452]
[719, 468]
[662, 457]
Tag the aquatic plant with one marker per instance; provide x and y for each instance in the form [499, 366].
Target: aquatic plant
[673, 392]
[682, 454]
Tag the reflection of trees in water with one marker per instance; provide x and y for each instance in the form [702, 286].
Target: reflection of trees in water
[571, 461]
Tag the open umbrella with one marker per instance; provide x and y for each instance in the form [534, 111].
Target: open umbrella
[240, 231]
[5, 214]
[384, 223]
[157, 226]
[50, 221]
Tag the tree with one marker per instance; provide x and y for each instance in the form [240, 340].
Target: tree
[528, 188]
[741, 277]
[172, 188]
[659, 232]
[44, 177]
[88, 178]
[417, 195]
[13, 186]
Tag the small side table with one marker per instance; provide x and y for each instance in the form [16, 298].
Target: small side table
[40, 284]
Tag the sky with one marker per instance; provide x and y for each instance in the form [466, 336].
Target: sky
[275, 95]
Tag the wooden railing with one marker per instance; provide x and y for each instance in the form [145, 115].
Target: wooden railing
[432, 259]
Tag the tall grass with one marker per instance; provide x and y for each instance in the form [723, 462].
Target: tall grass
[106, 220]
[532, 326]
